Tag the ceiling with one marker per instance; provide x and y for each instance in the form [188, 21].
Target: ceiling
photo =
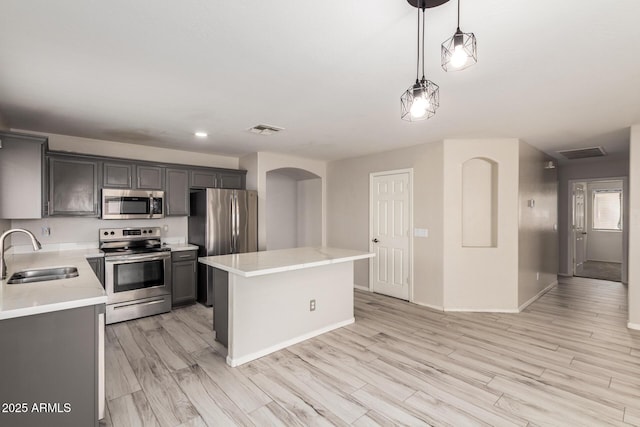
[557, 74]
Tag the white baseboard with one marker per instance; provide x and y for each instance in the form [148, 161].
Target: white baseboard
[431, 306]
[481, 310]
[233, 362]
[362, 288]
[635, 326]
[538, 295]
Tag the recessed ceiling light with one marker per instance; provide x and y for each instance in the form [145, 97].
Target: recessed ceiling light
[201, 134]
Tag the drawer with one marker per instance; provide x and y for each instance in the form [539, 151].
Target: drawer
[183, 255]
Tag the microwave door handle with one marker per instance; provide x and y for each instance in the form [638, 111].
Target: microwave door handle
[150, 205]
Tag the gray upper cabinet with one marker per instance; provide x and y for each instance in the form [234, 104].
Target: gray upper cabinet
[177, 195]
[117, 175]
[73, 186]
[234, 181]
[21, 175]
[201, 178]
[149, 177]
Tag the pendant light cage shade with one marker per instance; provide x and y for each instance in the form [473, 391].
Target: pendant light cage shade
[459, 51]
[420, 101]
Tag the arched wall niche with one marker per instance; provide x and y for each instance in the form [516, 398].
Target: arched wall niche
[480, 203]
[293, 208]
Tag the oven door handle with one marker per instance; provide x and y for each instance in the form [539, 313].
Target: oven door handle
[130, 259]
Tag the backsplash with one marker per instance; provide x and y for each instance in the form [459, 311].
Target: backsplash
[84, 231]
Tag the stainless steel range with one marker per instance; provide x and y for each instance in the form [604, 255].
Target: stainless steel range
[137, 273]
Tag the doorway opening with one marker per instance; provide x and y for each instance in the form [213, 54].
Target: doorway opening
[598, 232]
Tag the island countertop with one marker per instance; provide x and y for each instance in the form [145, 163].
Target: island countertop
[253, 264]
[42, 297]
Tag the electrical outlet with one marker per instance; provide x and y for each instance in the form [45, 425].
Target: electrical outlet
[312, 305]
[46, 231]
[538, 275]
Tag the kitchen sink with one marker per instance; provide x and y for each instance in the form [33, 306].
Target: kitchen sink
[42, 274]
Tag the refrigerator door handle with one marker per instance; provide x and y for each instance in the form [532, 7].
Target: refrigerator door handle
[234, 222]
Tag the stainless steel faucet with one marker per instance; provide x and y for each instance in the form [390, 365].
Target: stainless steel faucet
[3, 265]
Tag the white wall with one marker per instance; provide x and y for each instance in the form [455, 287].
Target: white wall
[348, 212]
[84, 231]
[135, 152]
[634, 228]
[5, 224]
[250, 164]
[537, 236]
[587, 169]
[282, 211]
[481, 279]
[602, 245]
[309, 216]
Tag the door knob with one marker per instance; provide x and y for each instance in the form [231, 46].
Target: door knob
[375, 240]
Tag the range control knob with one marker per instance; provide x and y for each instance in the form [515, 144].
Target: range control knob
[106, 233]
[113, 233]
[150, 231]
[144, 231]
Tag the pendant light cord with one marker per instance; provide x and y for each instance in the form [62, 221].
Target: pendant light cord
[458, 14]
[423, 25]
[418, 49]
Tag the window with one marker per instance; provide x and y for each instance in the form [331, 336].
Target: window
[607, 210]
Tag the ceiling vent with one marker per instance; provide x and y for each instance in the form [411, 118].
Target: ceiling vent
[583, 153]
[265, 129]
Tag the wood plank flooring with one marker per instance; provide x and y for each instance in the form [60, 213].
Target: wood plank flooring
[568, 359]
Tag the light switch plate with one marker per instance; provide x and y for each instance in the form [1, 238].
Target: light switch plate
[421, 232]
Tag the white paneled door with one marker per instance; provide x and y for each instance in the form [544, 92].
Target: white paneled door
[390, 233]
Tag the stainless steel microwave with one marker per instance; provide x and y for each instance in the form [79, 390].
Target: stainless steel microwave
[132, 204]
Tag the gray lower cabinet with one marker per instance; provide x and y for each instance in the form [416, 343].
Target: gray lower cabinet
[49, 365]
[183, 277]
[73, 187]
[97, 265]
[177, 195]
[21, 173]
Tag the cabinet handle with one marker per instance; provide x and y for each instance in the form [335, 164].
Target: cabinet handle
[184, 256]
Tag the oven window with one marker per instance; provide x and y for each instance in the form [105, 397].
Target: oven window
[138, 275]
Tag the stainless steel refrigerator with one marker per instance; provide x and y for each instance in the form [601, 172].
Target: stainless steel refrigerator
[221, 222]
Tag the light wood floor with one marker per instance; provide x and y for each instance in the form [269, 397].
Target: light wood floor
[568, 359]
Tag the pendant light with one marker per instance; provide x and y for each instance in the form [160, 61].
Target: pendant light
[421, 100]
[459, 51]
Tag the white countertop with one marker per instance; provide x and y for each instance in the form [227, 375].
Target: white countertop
[42, 297]
[177, 247]
[268, 262]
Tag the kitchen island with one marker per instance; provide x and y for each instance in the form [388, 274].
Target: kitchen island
[266, 301]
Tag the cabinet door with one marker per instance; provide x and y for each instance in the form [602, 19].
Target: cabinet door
[177, 194]
[21, 171]
[183, 276]
[235, 181]
[73, 187]
[203, 179]
[117, 175]
[149, 177]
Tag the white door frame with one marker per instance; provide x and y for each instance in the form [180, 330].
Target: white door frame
[625, 221]
[372, 175]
